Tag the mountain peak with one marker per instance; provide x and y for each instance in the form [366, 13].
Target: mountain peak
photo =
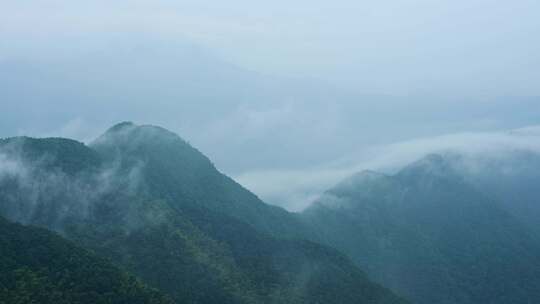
[367, 175]
[361, 185]
[66, 154]
[121, 126]
[129, 134]
[431, 170]
[430, 161]
[431, 164]
[362, 178]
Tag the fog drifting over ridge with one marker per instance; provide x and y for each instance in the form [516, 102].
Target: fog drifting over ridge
[287, 97]
[296, 189]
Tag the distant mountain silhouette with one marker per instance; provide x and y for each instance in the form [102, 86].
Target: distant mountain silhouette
[431, 236]
[155, 206]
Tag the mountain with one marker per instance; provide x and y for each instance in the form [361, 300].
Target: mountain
[38, 266]
[511, 177]
[179, 173]
[146, 200]
[430, 236]
[76, 86]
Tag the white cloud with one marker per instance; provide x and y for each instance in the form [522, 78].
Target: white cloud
[399, 47]
[296, 189]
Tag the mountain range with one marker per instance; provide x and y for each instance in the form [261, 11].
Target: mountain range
[159, 223]
[432, 235]
[156, 208]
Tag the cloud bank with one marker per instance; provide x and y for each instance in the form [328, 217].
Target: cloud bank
[296, 189]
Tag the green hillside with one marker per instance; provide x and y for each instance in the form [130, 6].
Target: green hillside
[431, 237]
[155, 206]
[38, 266]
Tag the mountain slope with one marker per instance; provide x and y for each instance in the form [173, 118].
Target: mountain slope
[38, 266]
[158, 208]
[511, 177]
[179, 173]
[431, 237]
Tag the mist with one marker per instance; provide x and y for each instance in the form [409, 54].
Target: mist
[286, 98]
[50, 191]
[297, 189]
[244, 152]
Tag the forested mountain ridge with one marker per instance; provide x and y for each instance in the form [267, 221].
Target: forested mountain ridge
[38, 266]
[510, 176]
[142, 197]
[430, 236]
[176, 171]
[156, 207]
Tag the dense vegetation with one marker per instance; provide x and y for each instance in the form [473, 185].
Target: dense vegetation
[146, 200]
[175, 171]
[430, 236]
[38, 266]
[143, 198]
[511, 177]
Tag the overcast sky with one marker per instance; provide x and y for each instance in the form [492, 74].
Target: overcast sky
[383, 47]
[274, 87]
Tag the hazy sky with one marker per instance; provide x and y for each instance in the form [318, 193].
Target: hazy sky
[383, 47]
[270, 88]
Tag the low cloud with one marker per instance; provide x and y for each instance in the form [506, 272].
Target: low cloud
[39, 190]
[296, 189]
